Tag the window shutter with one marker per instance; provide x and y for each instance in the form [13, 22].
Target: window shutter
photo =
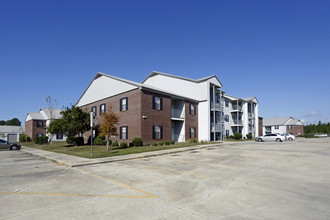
[153, 102]
[153, 132]
[126, 103]
[126, 132]
[161, 103]
[120, 133]
[189, 132]
[161, 132]
[120, 105]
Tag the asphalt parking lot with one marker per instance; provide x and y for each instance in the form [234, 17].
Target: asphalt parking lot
[248, 180]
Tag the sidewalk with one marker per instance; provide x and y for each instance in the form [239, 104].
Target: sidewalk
[74, 161]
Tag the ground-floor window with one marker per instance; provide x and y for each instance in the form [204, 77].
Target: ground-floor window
[59, 136]
[123, 132]
[192, 132]
[157, 132]
[40, 135]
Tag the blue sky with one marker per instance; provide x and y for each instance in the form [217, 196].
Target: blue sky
[278, 51]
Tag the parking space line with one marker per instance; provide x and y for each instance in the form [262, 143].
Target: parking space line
[148, 195]
[168, 170]
[37, 171]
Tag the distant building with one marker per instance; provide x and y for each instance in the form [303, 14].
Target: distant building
[283, 125]
[11, 133]
[36, 123]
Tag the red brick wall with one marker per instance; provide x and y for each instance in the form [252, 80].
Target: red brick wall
[32, 130]
[296, 130]
[155, 117]
[191, 120]
[261, 124]
[130, 117]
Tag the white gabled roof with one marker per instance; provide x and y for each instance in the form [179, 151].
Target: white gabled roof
[105, 86]
[155, 73]
[294, 122]
[55, 113]
[44, 114]
[34, 116]
[276, 121]
[11, 129]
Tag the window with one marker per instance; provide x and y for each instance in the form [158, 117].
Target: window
[157, 103]
[227, 118]
[40, 124]
[94, 111]
[102, 108]
[192, 133]
[124, 104]
[277, 127]
[59, 137]
[227, 133]
[40, 135]
[191, 109]
[157, 132]
[123, 132]
[290, 127]
[227, 103]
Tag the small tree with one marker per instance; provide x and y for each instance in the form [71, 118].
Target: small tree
[52, 104]
[74, 121]
[108, 126]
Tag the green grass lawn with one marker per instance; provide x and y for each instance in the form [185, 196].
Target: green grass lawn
[101, 151]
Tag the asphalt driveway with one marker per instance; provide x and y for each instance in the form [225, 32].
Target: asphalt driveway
[249, 180]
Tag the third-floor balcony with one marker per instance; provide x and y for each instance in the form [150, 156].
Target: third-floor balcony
[216, 106]
[236, 122]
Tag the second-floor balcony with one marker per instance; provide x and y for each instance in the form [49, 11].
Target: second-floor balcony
[251, 115]
[215, 127]
[236, 108]
[216, 106]
[236, 122]
[177, 113]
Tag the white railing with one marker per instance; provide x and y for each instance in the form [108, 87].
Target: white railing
[251, 115]
[236, 108]
[237, 122]
[215, 126]
[216, 105]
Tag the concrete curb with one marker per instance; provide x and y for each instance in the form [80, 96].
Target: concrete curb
[75, 161]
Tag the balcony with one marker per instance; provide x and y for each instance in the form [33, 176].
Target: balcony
[177, 113]
[178, 137]
[236, 108]
[251, 115]
[237, 122]
[216, 106]
[215, 127]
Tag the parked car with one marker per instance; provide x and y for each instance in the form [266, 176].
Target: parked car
[289, 137]
[271, 137]
[9, 145]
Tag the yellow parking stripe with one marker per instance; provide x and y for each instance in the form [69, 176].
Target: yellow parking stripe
[168, 170]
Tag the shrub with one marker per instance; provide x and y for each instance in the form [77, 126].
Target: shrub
[137, 141]
[231, 137]
[115, 144]
[193, 140]
[160, 144]
[237, 136]
[100, 140]
[167, 142]
[24, 138]
[69, 141]
[172, 142]
[123, 144]
[41, 140]
[154, 144]
[131, 144]
[249, 136]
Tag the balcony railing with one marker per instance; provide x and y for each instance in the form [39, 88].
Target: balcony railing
[215, 126]
[251, 115]
[236, 108]
[177, 113]
[216, 105]
[237, 122]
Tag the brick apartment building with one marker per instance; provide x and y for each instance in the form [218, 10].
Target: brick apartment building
[168, 107]
[144, 111]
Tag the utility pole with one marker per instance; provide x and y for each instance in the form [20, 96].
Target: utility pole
[91, 116]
